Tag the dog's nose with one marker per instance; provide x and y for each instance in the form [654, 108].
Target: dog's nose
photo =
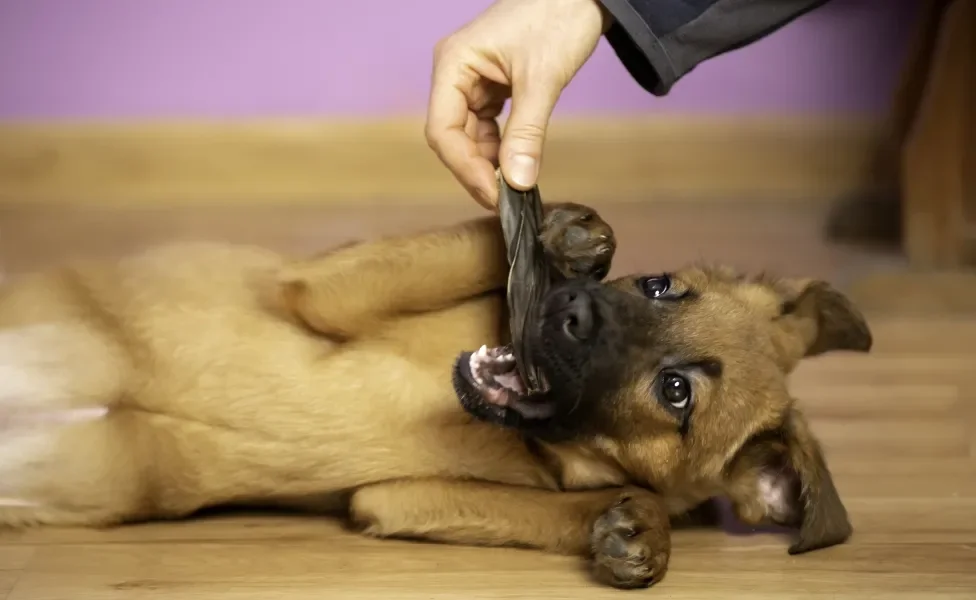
[576, 310]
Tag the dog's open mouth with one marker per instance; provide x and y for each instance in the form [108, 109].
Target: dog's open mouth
[495, 373]
[489, 386]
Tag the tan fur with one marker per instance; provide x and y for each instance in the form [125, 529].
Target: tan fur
[233, 375]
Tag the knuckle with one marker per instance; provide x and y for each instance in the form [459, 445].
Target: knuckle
[529, 131]
[432, 137]
[444, 48]
[440, 47]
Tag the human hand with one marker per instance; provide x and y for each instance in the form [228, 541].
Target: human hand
[526, 50]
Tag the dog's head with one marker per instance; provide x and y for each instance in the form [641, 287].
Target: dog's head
[680, 381]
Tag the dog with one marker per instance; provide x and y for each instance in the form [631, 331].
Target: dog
[375, 378]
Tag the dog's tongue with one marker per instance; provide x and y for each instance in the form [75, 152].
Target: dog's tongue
[530, 276]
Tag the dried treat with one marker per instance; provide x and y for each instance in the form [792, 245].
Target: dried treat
[530, 275]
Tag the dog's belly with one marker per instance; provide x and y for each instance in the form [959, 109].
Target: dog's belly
[293, 425]
[258, 408]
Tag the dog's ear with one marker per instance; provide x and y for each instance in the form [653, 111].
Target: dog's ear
[824, 521]
[782, 477]
[820, 319]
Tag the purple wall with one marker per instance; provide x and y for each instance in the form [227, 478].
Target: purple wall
[233, 58]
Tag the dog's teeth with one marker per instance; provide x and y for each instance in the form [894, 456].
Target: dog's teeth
[474, 365]
[511, 381]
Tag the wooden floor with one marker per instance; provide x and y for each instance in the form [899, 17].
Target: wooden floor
[899, 428]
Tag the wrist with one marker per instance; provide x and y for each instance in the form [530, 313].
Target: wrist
[593, 11]
[606, 19]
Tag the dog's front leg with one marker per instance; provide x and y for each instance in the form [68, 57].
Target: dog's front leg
[350, 291]
[625, 532]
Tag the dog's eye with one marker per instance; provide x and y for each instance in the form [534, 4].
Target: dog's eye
[655, 287]
[675, 390]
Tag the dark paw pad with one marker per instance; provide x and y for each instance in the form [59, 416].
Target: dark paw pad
[579, 243]
[630, 547]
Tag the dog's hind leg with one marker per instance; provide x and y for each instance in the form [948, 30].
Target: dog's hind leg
[349, 292]
[64, 459]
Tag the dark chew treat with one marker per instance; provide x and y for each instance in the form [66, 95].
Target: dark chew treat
[530, 275]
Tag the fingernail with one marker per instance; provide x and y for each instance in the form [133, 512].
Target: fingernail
[486, 200]
[524, 170]
[481, 196]
[487, 194]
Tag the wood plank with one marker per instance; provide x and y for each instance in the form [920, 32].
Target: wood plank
[313, 162]
[368, 569]
[898, 425]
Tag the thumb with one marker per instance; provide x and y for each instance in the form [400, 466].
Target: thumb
[520, 154]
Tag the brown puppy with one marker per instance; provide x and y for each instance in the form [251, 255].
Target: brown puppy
[196, 375]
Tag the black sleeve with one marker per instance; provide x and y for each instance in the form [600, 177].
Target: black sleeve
[661, 41]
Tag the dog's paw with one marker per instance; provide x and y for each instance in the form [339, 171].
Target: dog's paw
[372, 512]
[579, 243]
[631, 546]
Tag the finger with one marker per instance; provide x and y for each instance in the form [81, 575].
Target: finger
[488, 139]
[485, 134]
[447, 115]
[525, 132]
[471, 126]
[492, 98]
